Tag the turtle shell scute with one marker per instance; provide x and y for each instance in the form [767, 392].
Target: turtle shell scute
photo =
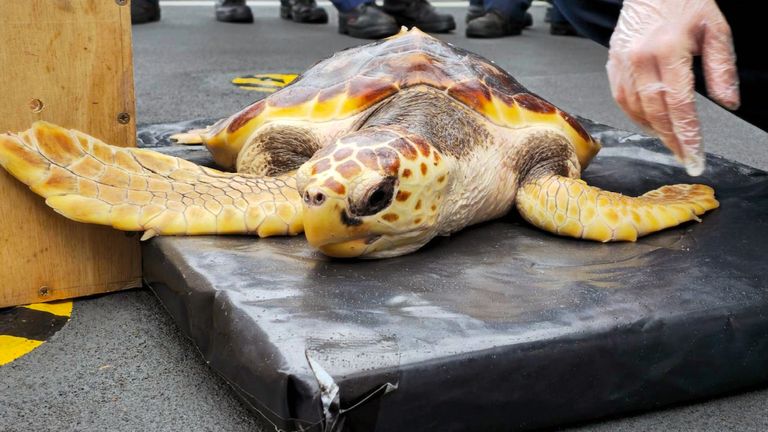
[473, 93]
[292, 96]
[535, 104]
[246, 115]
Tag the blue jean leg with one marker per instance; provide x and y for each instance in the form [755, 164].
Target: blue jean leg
[594, 19]
[348, 5]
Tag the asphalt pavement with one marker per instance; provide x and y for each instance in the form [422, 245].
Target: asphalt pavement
[121, 364]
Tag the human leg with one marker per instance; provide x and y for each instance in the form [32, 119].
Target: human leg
[558, 24]
[594, 19]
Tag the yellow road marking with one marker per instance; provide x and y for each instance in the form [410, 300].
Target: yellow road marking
[60, 308]
[12, 347]
[21, 331]
[260, 89]
[267, 83]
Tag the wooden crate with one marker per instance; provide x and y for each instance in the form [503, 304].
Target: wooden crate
[67, 62]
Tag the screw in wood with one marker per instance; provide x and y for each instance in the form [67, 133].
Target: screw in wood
[44, 291]
[123, 118]
[36, 105]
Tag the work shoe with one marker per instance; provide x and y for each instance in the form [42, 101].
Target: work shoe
[558, 25]
[303, 11]
[527, 20]
[233, 11]
[421, 14]
[563, 28]
[476, 11]
[144, 11]
[367, 21]
[493, 25]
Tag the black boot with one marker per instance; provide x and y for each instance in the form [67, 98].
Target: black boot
[303, 11]
[421, 14]
[367, 21]
[527, 20]
[558, 25]
[493, 25]
[144, 11]
[233, 11]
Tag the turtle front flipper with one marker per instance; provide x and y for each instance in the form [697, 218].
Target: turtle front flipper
[570, 207]
[89, 181]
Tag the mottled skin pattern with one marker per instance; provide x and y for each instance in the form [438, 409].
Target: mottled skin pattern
[376, 190]
[371, 153]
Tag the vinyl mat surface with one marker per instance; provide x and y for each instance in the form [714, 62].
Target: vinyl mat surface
[500, 326]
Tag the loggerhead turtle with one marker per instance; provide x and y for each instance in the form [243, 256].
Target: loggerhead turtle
[372, 152]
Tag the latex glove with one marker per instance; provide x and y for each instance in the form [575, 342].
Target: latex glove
[650, 68]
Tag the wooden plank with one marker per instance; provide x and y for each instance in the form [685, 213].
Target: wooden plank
[68, 62]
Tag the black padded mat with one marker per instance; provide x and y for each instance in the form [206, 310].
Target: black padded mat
[498, 327]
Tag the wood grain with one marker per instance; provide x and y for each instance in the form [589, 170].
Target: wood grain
[70, 63]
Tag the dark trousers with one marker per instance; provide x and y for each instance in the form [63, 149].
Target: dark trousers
[596, 19]
[347, 5]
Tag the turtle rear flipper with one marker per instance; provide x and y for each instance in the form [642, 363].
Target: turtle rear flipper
[570, 207]
[89, 181]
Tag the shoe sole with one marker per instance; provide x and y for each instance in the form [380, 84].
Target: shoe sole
[491, 35]
[562, 30]
[236, 15]
[526, 24]
[429, 27]
[370, 32]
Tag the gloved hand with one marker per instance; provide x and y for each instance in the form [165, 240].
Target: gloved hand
[650, 68]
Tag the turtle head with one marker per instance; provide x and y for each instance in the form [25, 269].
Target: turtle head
[374, 193]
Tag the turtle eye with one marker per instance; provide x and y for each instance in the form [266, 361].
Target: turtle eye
[377, 198]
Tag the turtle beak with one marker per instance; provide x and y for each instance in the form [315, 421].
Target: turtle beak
[330, 229]
[348, 249]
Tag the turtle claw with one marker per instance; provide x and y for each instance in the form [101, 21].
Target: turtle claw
[148, 234]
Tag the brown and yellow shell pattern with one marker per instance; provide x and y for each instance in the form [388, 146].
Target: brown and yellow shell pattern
[356, 79]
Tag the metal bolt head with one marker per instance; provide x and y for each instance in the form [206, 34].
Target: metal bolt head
[43, 291]
[121, 2]
[36, 105]
[123, 118]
